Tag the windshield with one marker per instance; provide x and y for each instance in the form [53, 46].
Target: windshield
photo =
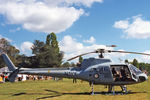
[134, 69]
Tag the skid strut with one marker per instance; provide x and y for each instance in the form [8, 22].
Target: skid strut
[92, 88]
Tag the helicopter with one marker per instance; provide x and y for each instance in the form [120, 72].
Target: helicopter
[96, 71]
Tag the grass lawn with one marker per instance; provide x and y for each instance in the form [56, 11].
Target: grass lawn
[66, 90]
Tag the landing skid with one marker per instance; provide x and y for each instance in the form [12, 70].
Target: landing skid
[116, 93]
[111, 90]
[110, 93]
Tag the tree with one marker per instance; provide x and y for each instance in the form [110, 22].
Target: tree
[47, 54]
[53, 42]
[38, 47]
[66, 64]
[48, 39]
[12, 52]
[72, 64]
[80, 59]
[126, 61]
[48, 58]
[54, 55]
[135, 63]
[60, 57]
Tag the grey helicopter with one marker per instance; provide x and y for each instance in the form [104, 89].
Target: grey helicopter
[96, 71]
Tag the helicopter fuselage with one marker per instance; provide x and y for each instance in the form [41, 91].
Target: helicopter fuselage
[98, 71]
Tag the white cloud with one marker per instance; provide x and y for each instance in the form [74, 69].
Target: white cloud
[26, 47]
[138, 28]
[86, 3]
[9, 40]
[91, 40]
[115, 55]
[73, 48]
[14, 30]
[145, 58]
[68, 44]
[44, 15]
[123, 24]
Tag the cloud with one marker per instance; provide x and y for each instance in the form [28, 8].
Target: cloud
[26, 47]
[44, 15]
[115, 55]
[135, 27]
[15, 30]
[86, 3]
[122, 24]
[72, 48]
[145, 58]
[9, 40]
[91, 40]
[68, 44]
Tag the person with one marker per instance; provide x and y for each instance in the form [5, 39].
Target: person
[123, 74]
[114, 72]
[6, 78]
[27, 77]
[117, 76]
[3, 77]
[74, 80]
[78, 64]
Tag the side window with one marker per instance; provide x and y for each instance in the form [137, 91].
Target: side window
[106, 69]
[101, 70]
[94, 69]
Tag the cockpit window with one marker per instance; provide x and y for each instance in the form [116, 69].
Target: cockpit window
[135, 70]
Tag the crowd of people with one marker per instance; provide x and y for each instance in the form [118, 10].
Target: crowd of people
[3, 78]
[33, 77]
[23, 77]
[120, 75]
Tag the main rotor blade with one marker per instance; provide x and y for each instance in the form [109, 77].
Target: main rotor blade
[80, 55]
[129, 52]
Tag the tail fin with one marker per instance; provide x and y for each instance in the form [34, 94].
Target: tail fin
[11, 67]
[8, 62]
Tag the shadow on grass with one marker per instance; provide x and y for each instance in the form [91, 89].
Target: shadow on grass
[53, 94]
[24, 93]
[57, 94]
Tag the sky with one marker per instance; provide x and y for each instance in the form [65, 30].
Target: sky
[80, 25]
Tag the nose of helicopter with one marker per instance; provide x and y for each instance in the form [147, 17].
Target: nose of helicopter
[143, 77]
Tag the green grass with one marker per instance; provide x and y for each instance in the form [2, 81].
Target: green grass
[66, 90]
